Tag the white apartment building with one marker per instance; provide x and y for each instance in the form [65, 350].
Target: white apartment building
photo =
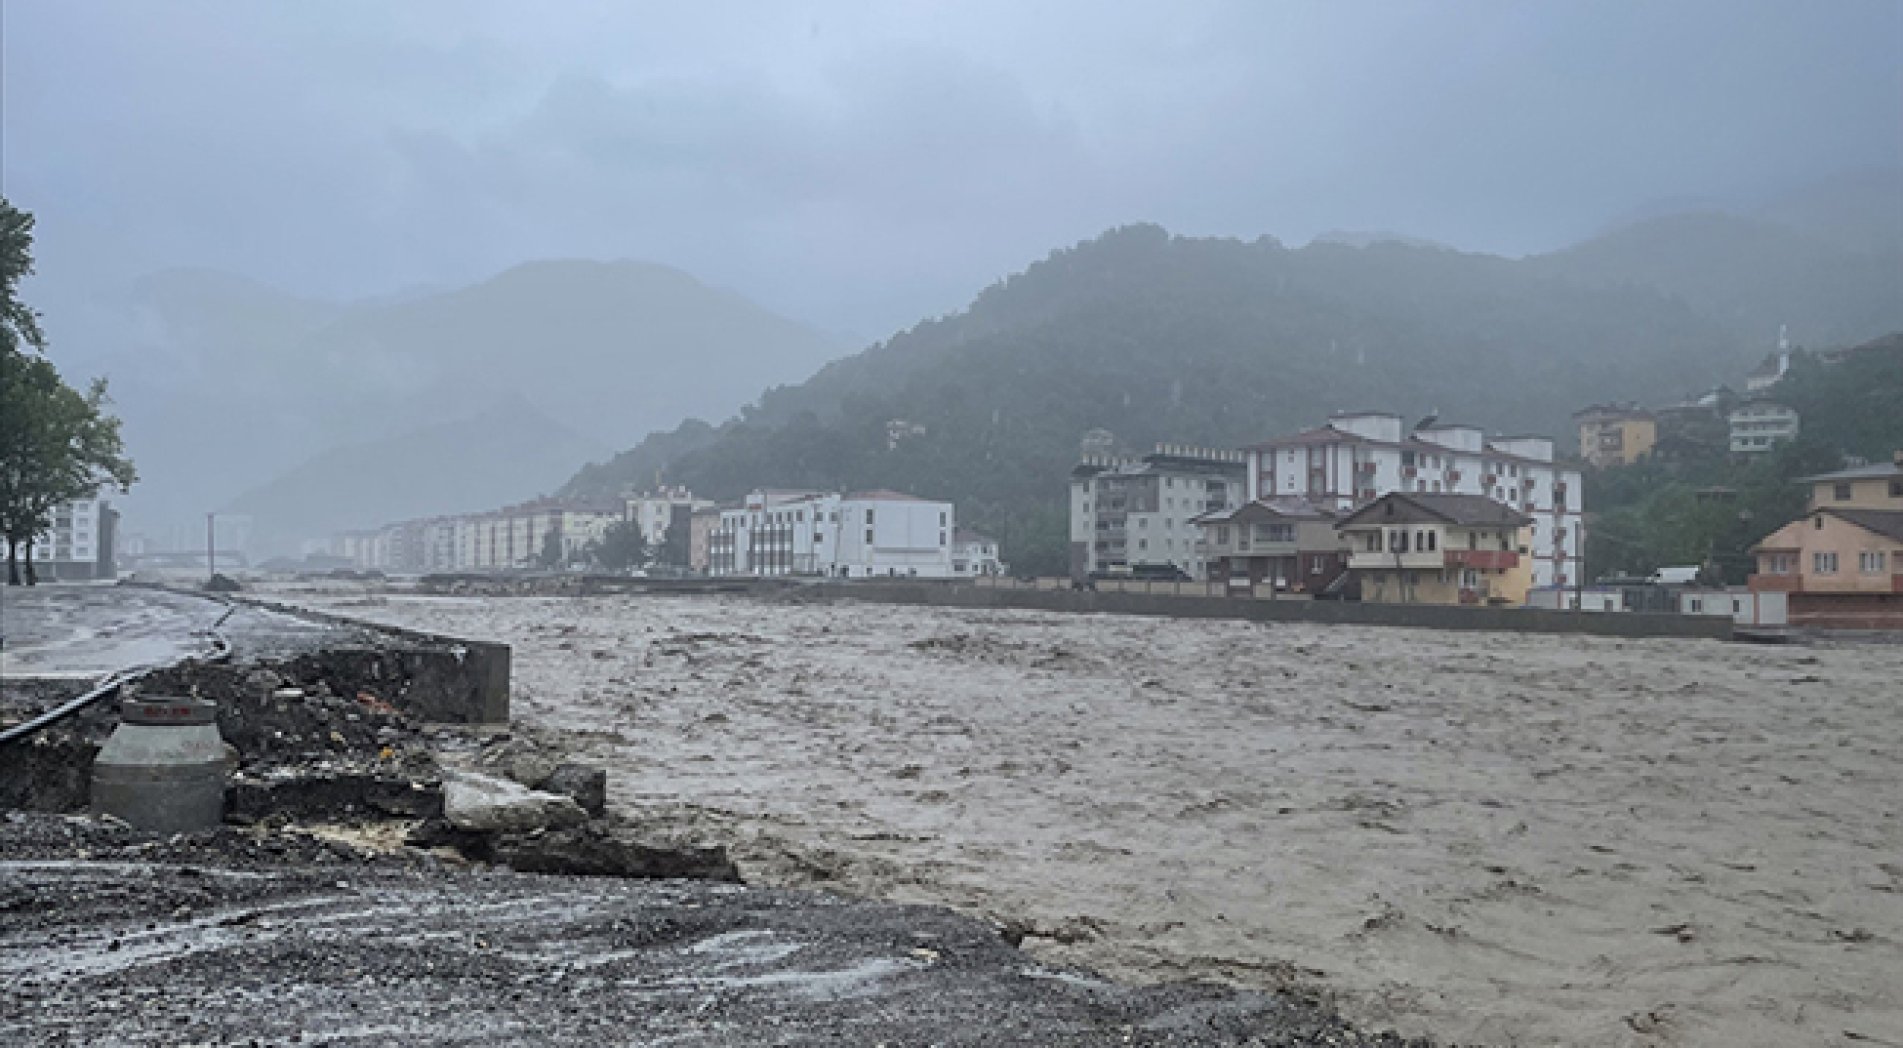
[872, 534]
[1359, 456]
[1760, 425]
[1138, 513]
[665, 518]
[79, 544]
[508, 539]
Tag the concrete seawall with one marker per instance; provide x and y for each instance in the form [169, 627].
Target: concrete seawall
[1345, 613]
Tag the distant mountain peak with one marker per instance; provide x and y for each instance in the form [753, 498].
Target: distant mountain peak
[1370, 238]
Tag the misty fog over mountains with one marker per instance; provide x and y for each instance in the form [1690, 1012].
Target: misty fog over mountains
[319, 416]
[322, 252]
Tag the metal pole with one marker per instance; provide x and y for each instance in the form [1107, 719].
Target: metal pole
[211, 547]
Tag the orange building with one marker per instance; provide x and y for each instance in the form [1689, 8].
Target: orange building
[1842, 567]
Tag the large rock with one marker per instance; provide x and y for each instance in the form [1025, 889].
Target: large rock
[588, 785]
[485, 804]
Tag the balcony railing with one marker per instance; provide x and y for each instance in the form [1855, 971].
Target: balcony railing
[1482, 559]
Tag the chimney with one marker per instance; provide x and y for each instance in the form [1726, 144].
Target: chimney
[1897, 456]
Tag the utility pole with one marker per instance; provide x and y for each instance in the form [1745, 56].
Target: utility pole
[211, 547]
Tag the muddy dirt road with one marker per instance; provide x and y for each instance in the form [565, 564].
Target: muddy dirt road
[1512, 840]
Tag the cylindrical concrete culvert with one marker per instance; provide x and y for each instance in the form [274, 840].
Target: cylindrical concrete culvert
[164, 767]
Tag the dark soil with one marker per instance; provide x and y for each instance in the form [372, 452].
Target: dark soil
[230, 938]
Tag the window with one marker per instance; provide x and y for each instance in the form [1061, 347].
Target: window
[1143, 543]
[1779, 563]
[868, 520]
[1374, 542]
[1896, 489]
[1841, 492]
[868, 536]
[1433, 541]
[1823, 563]
[1870, 562]
[1222, 535]
[941, 520]
[1697, 604]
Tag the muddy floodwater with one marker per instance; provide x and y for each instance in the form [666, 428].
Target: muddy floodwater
[1502, 839]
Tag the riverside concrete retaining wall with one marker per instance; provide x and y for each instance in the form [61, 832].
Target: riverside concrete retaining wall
[444, 679]
[1346, 613]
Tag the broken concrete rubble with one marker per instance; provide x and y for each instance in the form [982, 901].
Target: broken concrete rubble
[480, 803]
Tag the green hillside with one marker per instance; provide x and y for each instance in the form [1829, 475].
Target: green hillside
[1707, 506]
[1213, 341]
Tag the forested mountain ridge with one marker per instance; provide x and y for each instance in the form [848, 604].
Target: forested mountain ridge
[1223, 342]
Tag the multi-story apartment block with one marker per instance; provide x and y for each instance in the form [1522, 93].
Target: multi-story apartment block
[1760, 425]
[665, 518]
[1359, 457]
[700, 532]
[1416, 548]
[79, 544]
[1615, 434]
[508, 539]
[870, 534]
[1133, 513]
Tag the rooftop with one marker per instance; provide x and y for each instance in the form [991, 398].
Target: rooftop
[1875, 470]
[1885, 522]
[1288, 507]
[1331, 435]
[1462, 510]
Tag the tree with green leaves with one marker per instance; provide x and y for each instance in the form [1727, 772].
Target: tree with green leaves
[622, 547]
[19, 325]
[56, 443]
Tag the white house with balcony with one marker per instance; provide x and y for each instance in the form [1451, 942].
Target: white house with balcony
[1358, 457]
[1759, 425]
[975, 555]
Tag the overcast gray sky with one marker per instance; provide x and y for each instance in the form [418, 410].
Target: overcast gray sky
[861, 165]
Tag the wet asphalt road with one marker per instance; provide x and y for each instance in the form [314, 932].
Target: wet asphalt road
[89, 630]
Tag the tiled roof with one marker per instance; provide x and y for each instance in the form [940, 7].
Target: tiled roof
[1874, 470]
[1463, 510]
[1330, 435]
[884, 495]
[1288, 507]
[1885, 522]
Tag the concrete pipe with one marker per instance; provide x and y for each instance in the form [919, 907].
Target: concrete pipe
[163, 769]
